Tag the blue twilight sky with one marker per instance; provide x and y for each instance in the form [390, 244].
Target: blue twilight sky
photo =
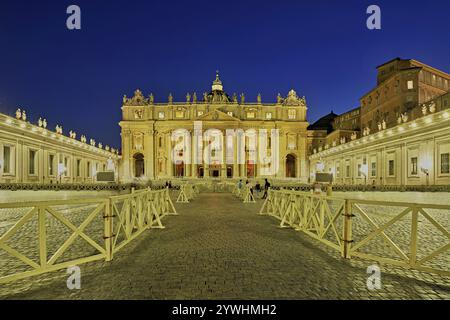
[320, 48]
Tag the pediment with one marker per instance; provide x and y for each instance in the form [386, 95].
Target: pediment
[217, 115]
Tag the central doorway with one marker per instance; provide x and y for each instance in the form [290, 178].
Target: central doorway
[290, 166]
[214, 170]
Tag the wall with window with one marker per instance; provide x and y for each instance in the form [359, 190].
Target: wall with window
[420, 157]
[28, 155]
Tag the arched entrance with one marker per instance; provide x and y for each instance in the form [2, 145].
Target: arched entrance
[290, 166]
[179, 169]
[138, 165]
[200, 172]
[251, 169]
[229, 172]
[214, 170]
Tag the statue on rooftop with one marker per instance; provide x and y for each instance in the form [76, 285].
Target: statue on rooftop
[194, 98]
[18, 114]
[258, 98]
[242, 98]
[279, 99]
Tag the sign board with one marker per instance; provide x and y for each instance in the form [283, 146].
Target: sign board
[324, 177]
[105, 176]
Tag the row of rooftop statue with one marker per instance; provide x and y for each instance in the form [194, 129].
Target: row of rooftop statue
[140, 99]
[42, 123]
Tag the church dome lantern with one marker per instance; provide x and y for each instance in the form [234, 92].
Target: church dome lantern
[217, 95]
[217, 84]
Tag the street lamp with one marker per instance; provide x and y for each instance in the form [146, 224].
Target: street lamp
[425, 167]
[426, 172]
[364, 171]
[61, 170]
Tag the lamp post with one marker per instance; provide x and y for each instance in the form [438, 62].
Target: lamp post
[364, 172]
[427, 173]
[61, 170]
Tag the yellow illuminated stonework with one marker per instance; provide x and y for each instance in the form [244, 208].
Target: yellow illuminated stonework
[147, 128]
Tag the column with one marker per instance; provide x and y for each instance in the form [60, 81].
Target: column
[282, 171]
[149, 139]
[127, 156]
[235, 164]
[169, 154]
[194, 146]
[223, 165]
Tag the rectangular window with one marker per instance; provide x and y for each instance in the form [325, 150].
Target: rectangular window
[66, 166]
[6, 159]
[391, 168]
[250, 115]
[292, 114]
[32, 162]
[179, 114]
[161, 115]
[268, 115]
[414, 166]
[359, 170]
[410, 84]
[78, 168]
[51, 165]
[347, 171]
[373, 171]
[445, 168]
[338, 170]
[88, 169]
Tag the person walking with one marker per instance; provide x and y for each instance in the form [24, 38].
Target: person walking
[266, 188]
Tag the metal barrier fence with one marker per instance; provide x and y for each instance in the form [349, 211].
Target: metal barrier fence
[415, 236]
[44, 236]
[244, 193]
[187, 193]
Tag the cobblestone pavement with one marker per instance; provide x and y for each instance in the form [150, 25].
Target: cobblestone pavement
[218, 248]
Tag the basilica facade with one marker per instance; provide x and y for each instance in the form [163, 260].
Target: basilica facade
[149, 145]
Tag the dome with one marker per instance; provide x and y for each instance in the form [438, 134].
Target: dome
[217, 95]
[217, 84]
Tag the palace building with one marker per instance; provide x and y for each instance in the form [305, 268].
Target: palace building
[148, 129]
[400, 134]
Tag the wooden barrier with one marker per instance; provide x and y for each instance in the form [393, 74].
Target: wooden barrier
[124, 218]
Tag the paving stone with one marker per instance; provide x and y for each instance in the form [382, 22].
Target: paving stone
[219, 248]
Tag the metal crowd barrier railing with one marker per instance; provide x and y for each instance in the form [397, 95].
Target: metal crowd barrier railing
[244, 193]
[105, 225]
[395, 233]
[187, 193]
